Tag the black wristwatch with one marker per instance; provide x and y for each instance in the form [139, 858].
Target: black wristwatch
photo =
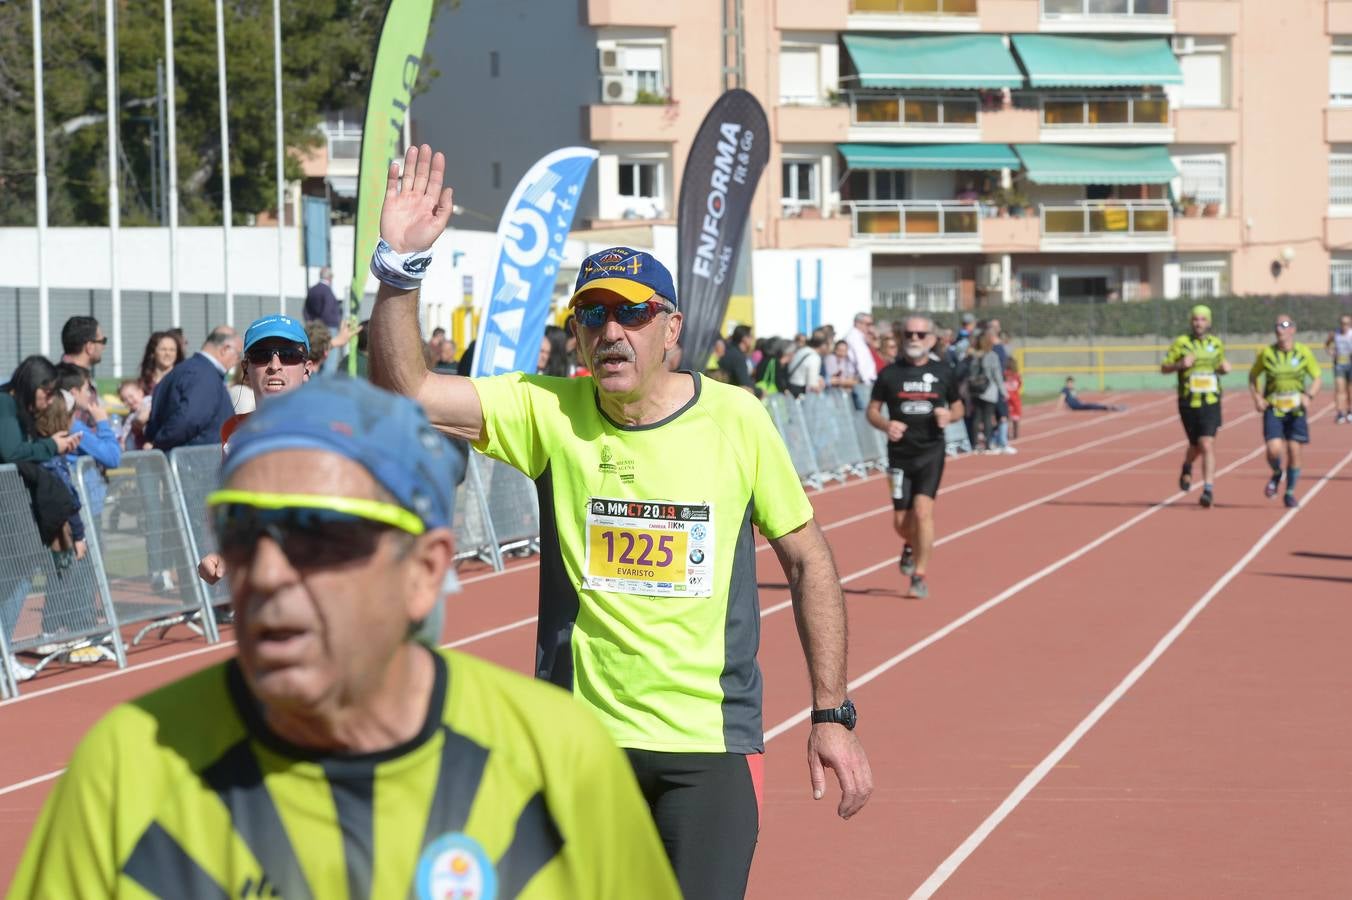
[844, 714]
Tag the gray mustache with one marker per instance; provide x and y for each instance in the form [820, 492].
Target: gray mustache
[616, 348]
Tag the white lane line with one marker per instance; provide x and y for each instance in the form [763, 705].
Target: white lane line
[483, 635]
[535, 564]
[1042, 769]
[976, 612]
[37, 779]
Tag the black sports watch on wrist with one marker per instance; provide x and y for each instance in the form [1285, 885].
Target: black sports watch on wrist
[844, 714]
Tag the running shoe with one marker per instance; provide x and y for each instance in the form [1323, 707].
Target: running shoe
[1270, 489]
[1206, 499]
[907, 563]
[1007, 450]
[1291, 501]
[919, 589]
[1185, 480]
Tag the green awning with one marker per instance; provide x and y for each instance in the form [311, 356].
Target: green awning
[1071, 164]
[1054, 61]
[971, 61]
[952, 157]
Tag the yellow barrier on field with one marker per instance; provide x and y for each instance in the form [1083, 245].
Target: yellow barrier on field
[1126, 359]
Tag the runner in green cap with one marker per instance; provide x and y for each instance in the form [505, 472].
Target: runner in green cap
[1198, 358]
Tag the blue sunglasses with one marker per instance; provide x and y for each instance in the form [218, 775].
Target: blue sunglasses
[628, 315]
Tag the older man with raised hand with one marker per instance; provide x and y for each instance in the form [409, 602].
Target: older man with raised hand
[650, 483]
[1290, 377]
[335, 756]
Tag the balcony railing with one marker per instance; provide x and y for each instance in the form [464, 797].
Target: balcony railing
[914, 110]
[914, 220]
[344, 146]
[920, 297]
[915, 7]
[1135, 10]
[1105, 111]
[1108, 219]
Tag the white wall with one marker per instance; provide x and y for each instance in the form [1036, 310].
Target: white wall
[846, 287]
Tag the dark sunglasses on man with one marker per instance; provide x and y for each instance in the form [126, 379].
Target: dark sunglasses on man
[628, 315]
[262, 356]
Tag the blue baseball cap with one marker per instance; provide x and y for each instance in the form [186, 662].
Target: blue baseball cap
[386, 434]
[632, 274]
[283, 327]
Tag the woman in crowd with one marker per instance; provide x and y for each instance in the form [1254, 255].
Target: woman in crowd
[163, 352]
[986, 382]
[29, 392]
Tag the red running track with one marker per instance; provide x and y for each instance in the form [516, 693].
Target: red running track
[1110, 692]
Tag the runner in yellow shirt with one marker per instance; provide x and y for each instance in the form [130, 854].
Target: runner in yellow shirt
[1290, 381]
[335, 755]
[650, 484]
[1199, 360]
[1339, 346]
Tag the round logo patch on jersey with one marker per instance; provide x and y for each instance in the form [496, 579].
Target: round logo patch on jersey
[455, 867]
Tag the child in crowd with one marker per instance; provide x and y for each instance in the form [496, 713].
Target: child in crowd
[138, 413]
[1014, 387]
[57, 418]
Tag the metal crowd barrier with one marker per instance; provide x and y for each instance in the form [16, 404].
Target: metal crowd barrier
[145, 546]
[474, 537]
[197, 470]
[48, 607]
[512, 504]
[828, 439]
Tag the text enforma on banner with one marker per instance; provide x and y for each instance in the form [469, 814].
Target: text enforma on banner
[727, 157]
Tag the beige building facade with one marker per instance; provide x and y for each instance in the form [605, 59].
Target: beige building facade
[939, 154]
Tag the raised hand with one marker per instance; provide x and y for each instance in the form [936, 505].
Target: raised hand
[416, 207]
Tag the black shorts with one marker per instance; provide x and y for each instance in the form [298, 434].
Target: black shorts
[1200, 421]
[915, 476]
[707, 810]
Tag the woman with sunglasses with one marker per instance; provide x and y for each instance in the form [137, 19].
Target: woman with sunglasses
[651, 486]
[1291, 378]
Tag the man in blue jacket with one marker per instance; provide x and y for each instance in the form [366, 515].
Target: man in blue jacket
[191, 403]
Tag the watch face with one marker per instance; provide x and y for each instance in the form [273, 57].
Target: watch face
[848, 716]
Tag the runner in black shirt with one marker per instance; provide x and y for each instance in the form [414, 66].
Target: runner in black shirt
[920, 395]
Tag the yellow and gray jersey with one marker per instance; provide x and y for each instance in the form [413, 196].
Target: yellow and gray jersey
[1285, 375]
[508, 790]
[1199, 385]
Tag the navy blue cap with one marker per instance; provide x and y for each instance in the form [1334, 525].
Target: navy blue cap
[632, 274]
[387, 434]
[283, 327]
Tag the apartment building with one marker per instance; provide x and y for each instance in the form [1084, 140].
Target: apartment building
[939, 153]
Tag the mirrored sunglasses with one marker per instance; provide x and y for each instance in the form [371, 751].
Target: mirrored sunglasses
[628, 315]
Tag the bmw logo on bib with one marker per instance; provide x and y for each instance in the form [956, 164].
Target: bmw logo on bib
[455, 867]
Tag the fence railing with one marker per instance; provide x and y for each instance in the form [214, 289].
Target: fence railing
[1108, 219]
[915, 7]
[1101, 362]
[915, 220]
[147, 527]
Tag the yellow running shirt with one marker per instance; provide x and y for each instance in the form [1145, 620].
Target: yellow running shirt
[509, 790]
[1285, 375]
[1199, 385]
[648, 604]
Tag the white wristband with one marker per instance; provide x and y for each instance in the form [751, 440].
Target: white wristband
[404, 271]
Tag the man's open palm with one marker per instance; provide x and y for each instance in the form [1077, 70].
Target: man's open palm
[417, 207]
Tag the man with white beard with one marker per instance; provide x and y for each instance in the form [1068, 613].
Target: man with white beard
[913, 400]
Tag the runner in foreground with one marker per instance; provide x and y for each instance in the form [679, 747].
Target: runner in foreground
[650, 482]
[920, 394]
[1198, 358]
[1339, 346]
[335, 756]
[1291, 380]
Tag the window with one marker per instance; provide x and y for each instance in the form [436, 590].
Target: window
[916, 7]
[1203, 76]
[640, 180]
[643, 67]
[1340, 72]
[1105, 109]
[799, 75]
[798, 188]
[1340, 179]
[867, 184]
[1201, 280]
[1203, 178]
[1340, 276]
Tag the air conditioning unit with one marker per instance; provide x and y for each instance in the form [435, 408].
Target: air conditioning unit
[1183, 45]
[990, 276]
[618, 89]
[612, 60]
